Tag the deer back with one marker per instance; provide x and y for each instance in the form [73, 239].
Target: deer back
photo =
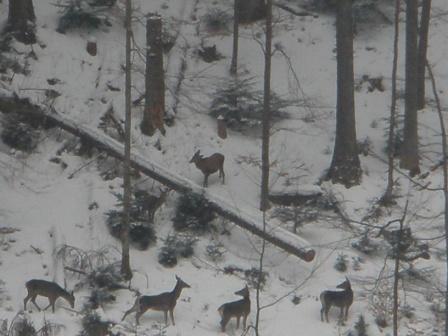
[209, 164]
[343, 298]
[164, 301]
[49, 289]
[237, 308]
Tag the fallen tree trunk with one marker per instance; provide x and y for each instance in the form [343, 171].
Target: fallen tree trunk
[280, 237]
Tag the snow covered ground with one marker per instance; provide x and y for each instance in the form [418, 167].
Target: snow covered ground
[49, 207]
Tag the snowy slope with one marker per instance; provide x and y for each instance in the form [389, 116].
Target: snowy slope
[50, 209]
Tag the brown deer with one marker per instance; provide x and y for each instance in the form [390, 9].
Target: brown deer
[209, 165]
[235, 309]
[151, 203]
[163, 302]
[342, 299]
[49, 289]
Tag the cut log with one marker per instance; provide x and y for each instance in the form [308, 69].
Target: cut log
[277, 236]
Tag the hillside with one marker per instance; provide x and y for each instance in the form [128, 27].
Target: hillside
[54, 200]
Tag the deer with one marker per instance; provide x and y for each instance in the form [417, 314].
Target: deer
[209, 165]
[151, 203]
[162, 302]
[342, 299]
[49, 289]
[235, 309]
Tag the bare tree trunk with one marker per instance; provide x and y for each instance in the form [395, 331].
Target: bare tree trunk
[251, 10]
[21, 20]
[154, 79]
[396, 279]
[234, 63]
[126, 271]
[264, 203]
[422, 48]
[409, 150]
[345, 166]
[388, 195]
[260, 275]
[445, 180]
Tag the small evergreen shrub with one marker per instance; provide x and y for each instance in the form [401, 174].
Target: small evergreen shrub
[361, 326]
[107, 277]
[141, 232]
[254, 277]
[23, 327]
[176, 246]
[341, 263]
[193, 213]
[19, 134]
[83, 14]
[216, 20]
[250, 275]
[215, 252]
[93, 325]
[98, 298]
[408, 311]
[365, 245]
[241, 105]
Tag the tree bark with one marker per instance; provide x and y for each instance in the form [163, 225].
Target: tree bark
[264, 202]
[345, 166]
[422, 49]
[21, 20]
[126, 271]
[409, 150]
[445, 180]
[251, 10]
[154, 79]
[234, 63]
[388, 195]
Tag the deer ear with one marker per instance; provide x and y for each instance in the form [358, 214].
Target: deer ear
[177, 278]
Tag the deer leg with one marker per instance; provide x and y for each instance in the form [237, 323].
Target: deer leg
[172, 316]
[25, 300]
[238, 322]
[341, 315]
[49, 304]
[128, 312]
[205, 181]
[222, 175]
[165, 313]
[326, 313]
[244, 321]
[33, 300]
[137, 317]
[346, 313]
[224, 322]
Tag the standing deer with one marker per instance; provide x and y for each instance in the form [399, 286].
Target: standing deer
[342, 299]
[163, 302]
[49, 289]
[235, 309]
[209, 165]
[149, 203]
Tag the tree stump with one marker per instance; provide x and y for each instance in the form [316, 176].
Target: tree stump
[222, 128]
[92, 47]
[21, 20]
